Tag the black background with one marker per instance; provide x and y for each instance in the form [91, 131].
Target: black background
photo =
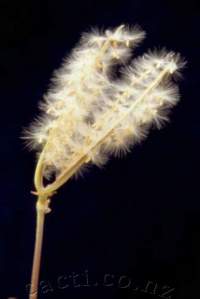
[140, 215]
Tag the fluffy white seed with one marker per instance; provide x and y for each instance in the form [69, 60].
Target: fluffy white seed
[88, 114]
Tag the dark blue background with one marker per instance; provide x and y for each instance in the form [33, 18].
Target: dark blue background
[140, 216]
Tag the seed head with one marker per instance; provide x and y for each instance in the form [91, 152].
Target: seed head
[87, 115]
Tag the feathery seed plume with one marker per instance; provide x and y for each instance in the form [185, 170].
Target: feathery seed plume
[87, 115]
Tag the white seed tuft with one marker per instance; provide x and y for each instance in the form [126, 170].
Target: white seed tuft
[87, 114]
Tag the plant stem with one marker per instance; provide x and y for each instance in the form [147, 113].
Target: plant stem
[41, 210]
